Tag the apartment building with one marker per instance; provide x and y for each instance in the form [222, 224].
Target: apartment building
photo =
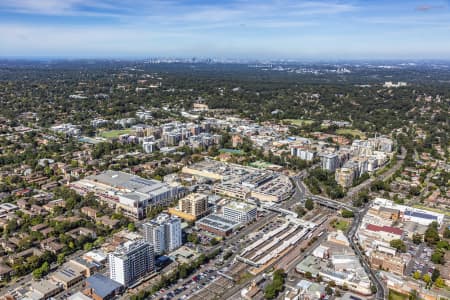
[164, 233]
[131, 261]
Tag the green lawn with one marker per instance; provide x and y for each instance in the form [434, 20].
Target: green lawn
[353, 132]
[394, 295]
[340, 225]
[111, 134]
[298, 122]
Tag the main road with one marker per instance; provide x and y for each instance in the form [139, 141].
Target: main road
[359, 214]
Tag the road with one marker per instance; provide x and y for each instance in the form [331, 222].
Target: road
[366, 184]
[381, 290]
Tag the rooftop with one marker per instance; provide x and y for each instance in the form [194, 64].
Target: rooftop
[102, 285]
[388, 229]
[218, 222]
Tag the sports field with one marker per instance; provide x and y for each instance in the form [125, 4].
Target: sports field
[111, 134]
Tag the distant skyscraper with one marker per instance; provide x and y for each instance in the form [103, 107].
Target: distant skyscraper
[131, 261]
[164, 233]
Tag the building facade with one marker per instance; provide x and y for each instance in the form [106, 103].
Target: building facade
[164, 233]
[131, 261]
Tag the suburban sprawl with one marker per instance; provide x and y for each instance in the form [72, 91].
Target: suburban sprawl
[191, 179]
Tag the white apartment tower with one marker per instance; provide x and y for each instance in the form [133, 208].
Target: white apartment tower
[131, 261]
[164, 233]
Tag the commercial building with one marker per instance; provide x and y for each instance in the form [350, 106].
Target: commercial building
[239, 212]
[43, 289]
[217, 224]
[384, 261]
[191, 207]
[100, 287]
[421, 217]
[164, 233]
[242, 182]
[67, 276]
[131, 261]
[127, 193]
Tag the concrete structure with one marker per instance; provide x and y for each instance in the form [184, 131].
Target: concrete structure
[43, 289]
[242, 182]
[127, 193]
[191, 207]
[390, 263]
[240, 212]
[164, 233]
[149, 147]
[345, 176]
[217, 224]
[330, 162]
[131, 261]
[100, 287]
[67, 276]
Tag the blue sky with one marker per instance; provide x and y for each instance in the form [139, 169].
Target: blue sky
[292, 29]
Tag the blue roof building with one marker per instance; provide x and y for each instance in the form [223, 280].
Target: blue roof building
[100, 287]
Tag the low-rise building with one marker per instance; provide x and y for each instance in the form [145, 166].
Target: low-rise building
[390, 263]
[100, 287]
[217, 224]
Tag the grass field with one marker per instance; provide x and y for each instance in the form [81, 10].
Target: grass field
[340, 225]
[353, 132]
[111, 134]
[298, 122]
[394, 295]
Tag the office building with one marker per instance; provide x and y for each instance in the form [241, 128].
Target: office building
[164, 233]
[131, 261]
[240, 212]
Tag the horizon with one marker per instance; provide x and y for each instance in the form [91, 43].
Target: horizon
[237, 29]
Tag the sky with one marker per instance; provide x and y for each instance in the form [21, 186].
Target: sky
[263, 29]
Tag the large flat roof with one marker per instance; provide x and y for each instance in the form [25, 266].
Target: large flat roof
[218, 222]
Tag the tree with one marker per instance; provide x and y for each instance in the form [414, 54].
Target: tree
[417, 238]
[398, 244]
[87, 246]
[131, 227]
[437, 257]
[193, 238]
[432, 234]
[426, 278]
[443, 245]
[300, 211]
[60, 259]
[440, 283]
[447, 233]
[436, 273]
[309, 204]
[347, 213]
[308, 275]
[417, 275]
[329, 290]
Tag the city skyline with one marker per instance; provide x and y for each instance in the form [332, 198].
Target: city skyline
[230, 29]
